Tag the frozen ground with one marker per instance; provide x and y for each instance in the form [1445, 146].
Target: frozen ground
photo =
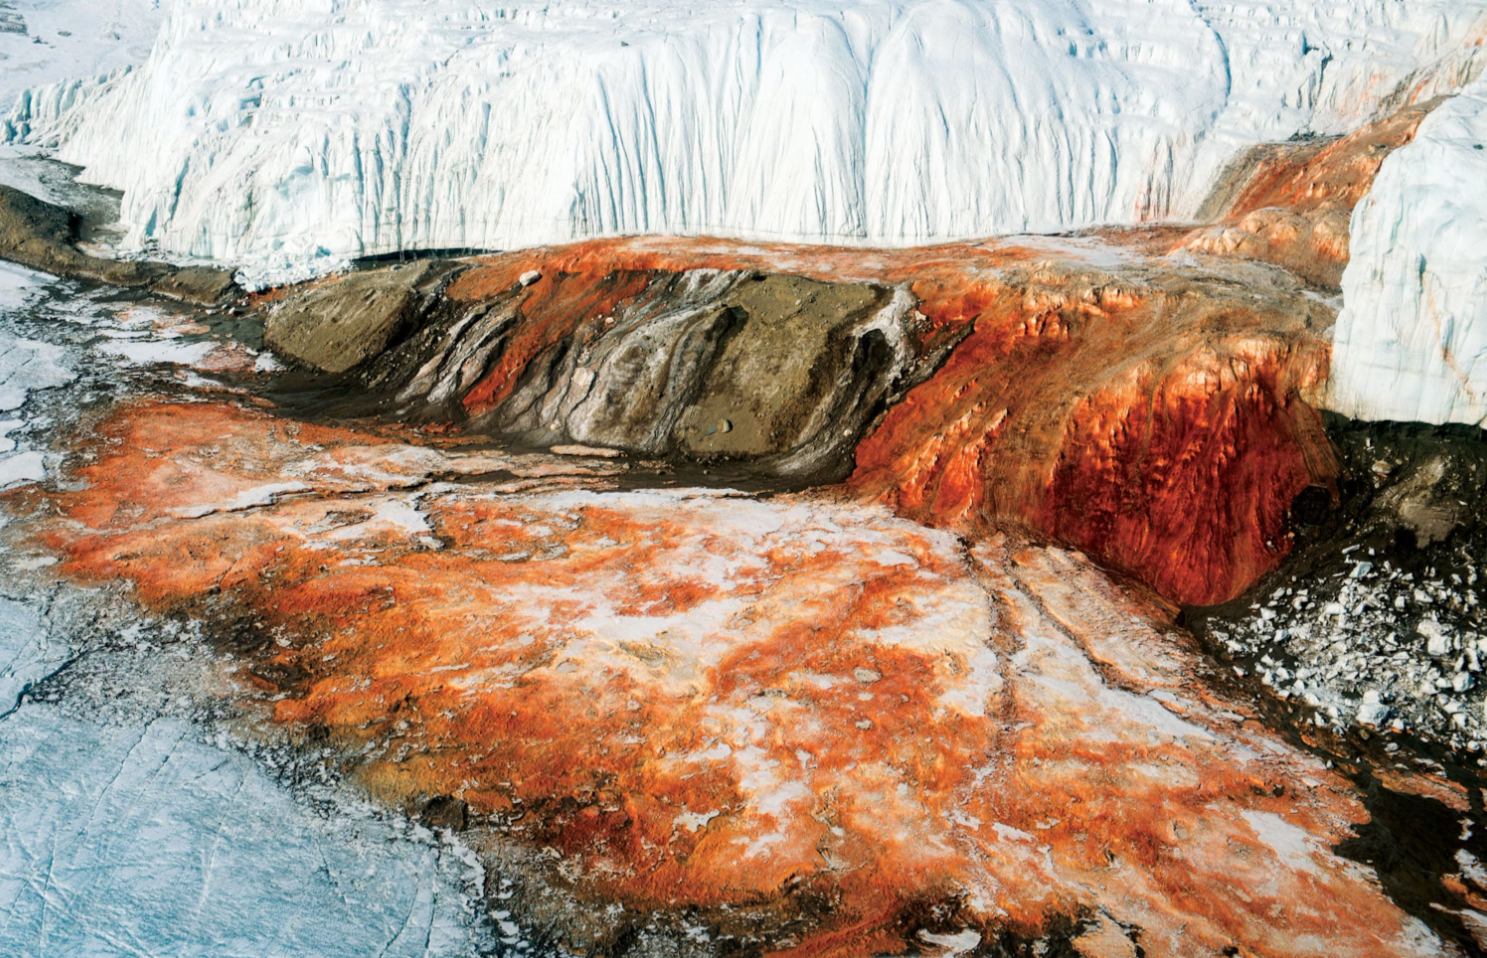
[287, 135]
[129, 823]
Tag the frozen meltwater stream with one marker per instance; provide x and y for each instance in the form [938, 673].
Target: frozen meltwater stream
[129, 823]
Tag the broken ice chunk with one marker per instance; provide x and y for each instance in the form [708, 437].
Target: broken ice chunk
[1437, 637]
[1372, 711]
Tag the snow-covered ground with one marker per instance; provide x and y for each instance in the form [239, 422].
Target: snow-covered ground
[1411, 342]
[130, 823]
[290, 134]
[44, 42]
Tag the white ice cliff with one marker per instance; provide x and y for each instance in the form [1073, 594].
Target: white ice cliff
[1411, 342]
[271, 132]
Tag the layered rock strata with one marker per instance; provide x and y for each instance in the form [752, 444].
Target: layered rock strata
[794, 718]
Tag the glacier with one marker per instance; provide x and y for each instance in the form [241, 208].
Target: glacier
[146, 841]
[1411, 340]
[294, 134]
[59, 43]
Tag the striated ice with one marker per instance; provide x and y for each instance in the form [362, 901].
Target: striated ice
[285, 134]
[1411, 341]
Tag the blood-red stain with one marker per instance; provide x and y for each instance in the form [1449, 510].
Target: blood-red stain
[802, 706]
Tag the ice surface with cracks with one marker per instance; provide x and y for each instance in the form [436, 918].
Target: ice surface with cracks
[291, 134]
[147, 841]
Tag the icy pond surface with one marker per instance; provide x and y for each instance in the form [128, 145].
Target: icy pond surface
[130, 824]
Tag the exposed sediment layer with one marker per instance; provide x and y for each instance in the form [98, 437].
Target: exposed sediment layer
[798, 714]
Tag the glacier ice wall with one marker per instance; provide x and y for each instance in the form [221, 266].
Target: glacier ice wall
[1411, 341]
[278, 131]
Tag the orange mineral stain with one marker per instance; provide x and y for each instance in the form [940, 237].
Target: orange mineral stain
[1162, 432]
[701, 700]
[1292, 206]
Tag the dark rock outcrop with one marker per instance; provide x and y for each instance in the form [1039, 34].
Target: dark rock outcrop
[782, 373]
[42, 236]
[336, 326]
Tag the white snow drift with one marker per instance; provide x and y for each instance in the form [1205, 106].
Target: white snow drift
[1411, 342]
[278, 132]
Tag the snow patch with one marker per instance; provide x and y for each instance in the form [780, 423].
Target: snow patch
[264, 495]
[151, 352]
[22, 467]
[26, 365]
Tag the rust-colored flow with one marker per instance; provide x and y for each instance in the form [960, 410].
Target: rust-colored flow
[698, 700]
[1290, 204]
[1144, 411]
[1160, 430]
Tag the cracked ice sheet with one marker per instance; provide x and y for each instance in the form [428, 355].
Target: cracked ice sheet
[144, 841]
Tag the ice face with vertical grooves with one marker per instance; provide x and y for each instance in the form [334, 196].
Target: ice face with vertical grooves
[1411, 341]
[271, 132]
